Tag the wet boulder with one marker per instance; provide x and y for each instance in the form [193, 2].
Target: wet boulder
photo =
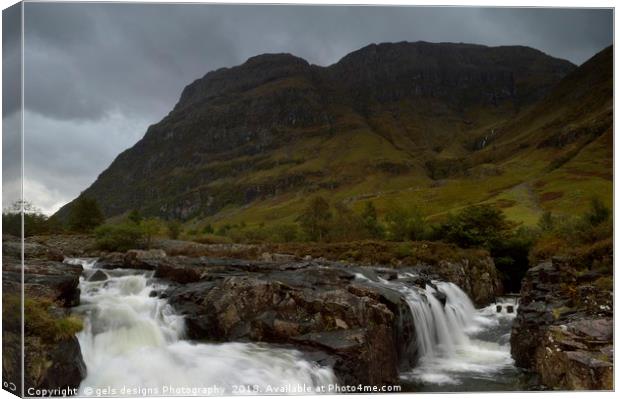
[141, 259]
[56, 281]
[54, 366]
[111, 260]
[98, 275]
[361, 328]
[478, 277]
[558, 333]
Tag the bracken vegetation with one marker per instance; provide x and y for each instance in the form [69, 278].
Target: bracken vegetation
[39, 318]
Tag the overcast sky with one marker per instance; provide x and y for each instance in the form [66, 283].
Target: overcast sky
[98, 74]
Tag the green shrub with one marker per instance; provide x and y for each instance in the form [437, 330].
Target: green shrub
[403, 250]
[404, 224]
[482, 226]
[150, 228]
[247, 234]
[67, 327]
[223, 230]
[371, 221]
[174, 229]
[39, 319]
[345, 225]
[285, 232]
[315, 220]
[598, 212]
[212, 239]
[546, 221]
[119, 237]
[135, 216]
[85, 215]
[585, 237]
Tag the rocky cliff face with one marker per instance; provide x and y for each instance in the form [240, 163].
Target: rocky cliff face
[564, 326]
[459, 74]
[241, 134]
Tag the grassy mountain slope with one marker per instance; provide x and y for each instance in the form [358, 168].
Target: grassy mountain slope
[438, 126]
[555, 155]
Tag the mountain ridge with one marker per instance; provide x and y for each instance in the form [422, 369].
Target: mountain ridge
[276, 128]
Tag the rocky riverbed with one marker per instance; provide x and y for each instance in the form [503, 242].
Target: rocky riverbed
[564, 326]
[349, 318]
[52, 354]
[364, 331]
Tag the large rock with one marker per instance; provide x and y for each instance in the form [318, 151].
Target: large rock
[12, 247]
[70, 245]
[477, 277]
[57, 365]
[563, 335]
[577, 355]
[141, 259]
[366, 331]
[44, 275]
[133, 259]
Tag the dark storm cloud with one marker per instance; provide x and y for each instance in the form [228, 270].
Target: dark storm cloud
[11, 59]
[84, 60]
[91, 68]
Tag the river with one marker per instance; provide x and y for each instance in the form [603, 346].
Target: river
[133, 345]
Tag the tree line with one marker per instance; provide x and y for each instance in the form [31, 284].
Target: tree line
[512, 246]
[86, 217]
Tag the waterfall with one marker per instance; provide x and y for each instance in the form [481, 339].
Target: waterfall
[455, 340]
[132, 344]
[440, 328]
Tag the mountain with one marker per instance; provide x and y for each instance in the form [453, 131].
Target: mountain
[436, 125]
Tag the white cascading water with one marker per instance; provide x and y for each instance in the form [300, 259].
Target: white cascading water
[132, 346]
[453, 340]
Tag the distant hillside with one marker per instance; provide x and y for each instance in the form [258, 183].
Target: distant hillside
[438, 126]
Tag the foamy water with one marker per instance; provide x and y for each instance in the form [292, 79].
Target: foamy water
[133, 345]
[460, 347]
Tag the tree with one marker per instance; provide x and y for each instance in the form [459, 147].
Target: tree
[174, 229]
[315, 219]
[150, 228]
[55, 225]
[135, 217]
[12, 219]
[477, 226]
[208, 229]
[404, 224]
[35, 222]
[371, 222]
[346, 225]
[85, 215]
[286, 232]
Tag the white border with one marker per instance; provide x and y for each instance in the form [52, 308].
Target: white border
[476, 3]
